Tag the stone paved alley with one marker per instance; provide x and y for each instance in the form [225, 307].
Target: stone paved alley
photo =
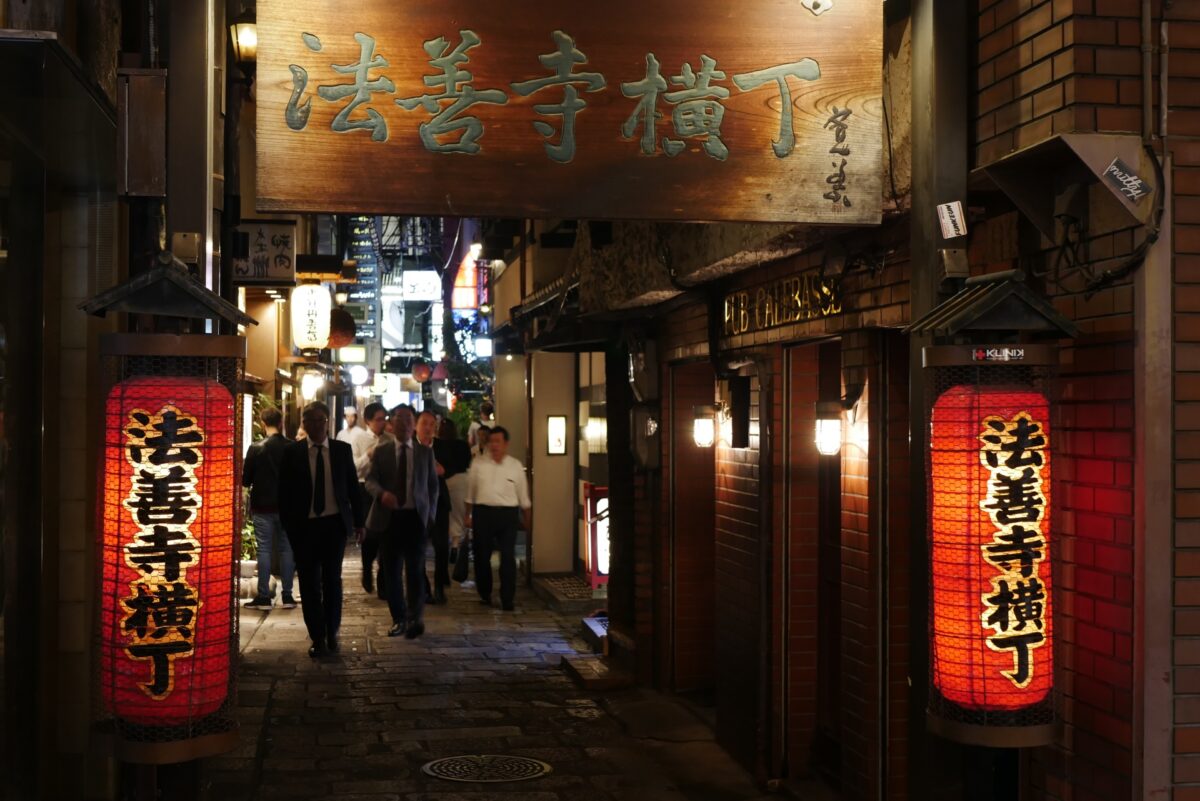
[360, 725]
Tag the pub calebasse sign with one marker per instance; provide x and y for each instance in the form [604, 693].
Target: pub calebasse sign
[760, 110]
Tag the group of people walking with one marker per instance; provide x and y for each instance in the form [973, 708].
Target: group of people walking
[403, 481]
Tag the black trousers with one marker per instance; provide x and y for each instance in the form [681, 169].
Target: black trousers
[439, 536]
[319, 546]
[370, 547]
[495, 528]
[402, 564]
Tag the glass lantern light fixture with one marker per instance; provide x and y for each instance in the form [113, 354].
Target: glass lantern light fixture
[243, 36]
[704, 425]
[828, 435]
[830, 430]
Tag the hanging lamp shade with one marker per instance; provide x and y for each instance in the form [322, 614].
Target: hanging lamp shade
[311, 311]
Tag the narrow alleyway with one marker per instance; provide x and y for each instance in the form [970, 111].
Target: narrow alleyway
[360, 725]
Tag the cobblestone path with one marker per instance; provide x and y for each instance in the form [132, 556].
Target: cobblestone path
[358, 726]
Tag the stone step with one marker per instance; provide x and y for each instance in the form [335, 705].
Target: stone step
[596, 674]
[595, 633]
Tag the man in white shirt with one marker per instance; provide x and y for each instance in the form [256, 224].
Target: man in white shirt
[358, 438]
[486, 420]
[498, 492]
[364, 445]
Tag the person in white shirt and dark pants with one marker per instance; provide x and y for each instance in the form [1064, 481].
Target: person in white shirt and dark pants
[497, 502]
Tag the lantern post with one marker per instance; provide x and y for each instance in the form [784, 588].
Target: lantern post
[990, 440]
[169, 520]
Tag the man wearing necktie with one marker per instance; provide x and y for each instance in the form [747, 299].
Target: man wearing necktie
[404, 483]
[319, 507]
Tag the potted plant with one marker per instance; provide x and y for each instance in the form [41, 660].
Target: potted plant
[249, 566]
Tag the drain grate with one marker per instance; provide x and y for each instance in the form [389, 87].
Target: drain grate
[486, 768]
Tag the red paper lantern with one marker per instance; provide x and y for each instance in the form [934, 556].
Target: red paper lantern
[993, 640]
[342, 329]
[168, 545]
[421, 372]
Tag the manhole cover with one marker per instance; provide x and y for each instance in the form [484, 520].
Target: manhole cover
[486, 768]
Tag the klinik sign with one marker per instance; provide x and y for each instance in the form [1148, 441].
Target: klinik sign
[766, 110]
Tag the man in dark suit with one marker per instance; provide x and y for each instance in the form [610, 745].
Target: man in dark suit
[404, 483]
[319, 506]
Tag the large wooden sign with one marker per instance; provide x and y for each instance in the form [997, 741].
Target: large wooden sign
[759, 110]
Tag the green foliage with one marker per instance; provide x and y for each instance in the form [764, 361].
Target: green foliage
[249, 544]
[464, 413]
[261, 402]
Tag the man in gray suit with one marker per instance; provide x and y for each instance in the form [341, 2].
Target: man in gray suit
[404, 483]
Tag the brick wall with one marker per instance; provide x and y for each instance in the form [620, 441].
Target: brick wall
[736, 592]
[800, 586]
[898, 538]
[1057, 66]
[689, 473]
[874, 296]
[1075, 65]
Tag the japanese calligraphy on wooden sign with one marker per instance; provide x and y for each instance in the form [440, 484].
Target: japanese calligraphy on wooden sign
[762, 110]
[990, 555]
[271, 253]
[168, 549]
[794, 299]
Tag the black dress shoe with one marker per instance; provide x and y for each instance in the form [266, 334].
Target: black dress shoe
[396, 630]
[333, 645]
[414, 631]
[368, 581]
[316, 651]
[439, 597]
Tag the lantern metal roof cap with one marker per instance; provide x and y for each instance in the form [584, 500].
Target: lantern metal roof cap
[1000, 302]
[168, 289]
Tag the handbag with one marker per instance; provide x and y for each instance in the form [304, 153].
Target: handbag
[462, 564]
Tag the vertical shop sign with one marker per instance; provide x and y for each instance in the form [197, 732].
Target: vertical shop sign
[366, 292]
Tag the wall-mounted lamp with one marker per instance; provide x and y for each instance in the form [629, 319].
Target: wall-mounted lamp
[828, 434]
[243, 36]
[556, 435]
[310, 384]
[704, 425]
[341, 298]
[828, 437]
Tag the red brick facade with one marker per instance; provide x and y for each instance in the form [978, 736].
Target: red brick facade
[1041, 69]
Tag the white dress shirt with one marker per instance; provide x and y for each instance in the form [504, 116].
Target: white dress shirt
[360, 441]
[331, 506]
[502, 484]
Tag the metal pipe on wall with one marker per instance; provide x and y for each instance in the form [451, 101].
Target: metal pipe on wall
[1147, 74]
[1153, 419]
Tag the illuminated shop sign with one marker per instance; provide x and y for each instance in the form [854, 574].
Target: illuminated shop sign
[990, 455]
[168, 538]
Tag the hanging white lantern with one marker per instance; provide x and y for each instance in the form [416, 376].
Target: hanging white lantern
[311, 308]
